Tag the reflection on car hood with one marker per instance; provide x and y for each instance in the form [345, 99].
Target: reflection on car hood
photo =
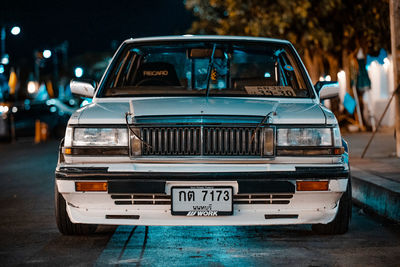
[299, 111]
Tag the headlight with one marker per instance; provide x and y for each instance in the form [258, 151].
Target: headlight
[304, 137]
[98, 137]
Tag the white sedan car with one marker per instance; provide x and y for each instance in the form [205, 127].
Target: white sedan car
[203, 130]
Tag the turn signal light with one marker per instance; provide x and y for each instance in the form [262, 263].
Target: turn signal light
[68, 151]
[338, 150]
[312, 185]
[91, 186]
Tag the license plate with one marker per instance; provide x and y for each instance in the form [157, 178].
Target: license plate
[202, 201]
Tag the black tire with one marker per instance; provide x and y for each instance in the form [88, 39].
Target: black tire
[64, 224]
[339, 225]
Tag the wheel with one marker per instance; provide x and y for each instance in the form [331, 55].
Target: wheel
[64, 224]
[340, 224]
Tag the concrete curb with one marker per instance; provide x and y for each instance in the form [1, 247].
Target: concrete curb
[377, 193]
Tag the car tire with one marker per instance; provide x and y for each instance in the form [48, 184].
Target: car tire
[339, 225]
[64, 224]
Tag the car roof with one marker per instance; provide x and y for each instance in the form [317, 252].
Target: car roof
[189, 37]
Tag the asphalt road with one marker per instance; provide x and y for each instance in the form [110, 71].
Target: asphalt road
[28, 234]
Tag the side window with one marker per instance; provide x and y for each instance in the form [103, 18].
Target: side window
[112, 79]
[120, 75]
[289, 75]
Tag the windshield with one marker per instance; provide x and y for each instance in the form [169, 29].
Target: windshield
[201, 68]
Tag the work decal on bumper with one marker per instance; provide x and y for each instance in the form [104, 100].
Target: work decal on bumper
[202, 211]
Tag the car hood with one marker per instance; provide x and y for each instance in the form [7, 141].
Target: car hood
[291, 111]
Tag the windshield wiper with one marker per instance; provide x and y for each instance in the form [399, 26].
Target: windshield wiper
[127, 114]
[267, 119]
[210, 66]
[131, 114]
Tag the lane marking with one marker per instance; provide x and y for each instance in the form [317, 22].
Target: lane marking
[117, 246]
[125, 244]
[143, 246]
[180, 246]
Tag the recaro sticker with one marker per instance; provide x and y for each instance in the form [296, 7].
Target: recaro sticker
[155, 73]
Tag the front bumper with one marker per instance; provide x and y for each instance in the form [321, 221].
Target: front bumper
[200, 171]
[242, 215]
[277, 181]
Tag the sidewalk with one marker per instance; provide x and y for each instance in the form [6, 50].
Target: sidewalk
[376, 177]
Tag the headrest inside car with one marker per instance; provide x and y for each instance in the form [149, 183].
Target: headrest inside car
[156, 74]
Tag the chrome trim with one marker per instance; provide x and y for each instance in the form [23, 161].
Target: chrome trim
[255, 160]
[201, 140]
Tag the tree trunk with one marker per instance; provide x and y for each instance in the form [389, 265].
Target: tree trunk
[333, 63]
[314, 64]
[395, 41]
[309, 65]
[346, 68]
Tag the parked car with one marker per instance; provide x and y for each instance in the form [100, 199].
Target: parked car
[203, 130]
[19, 118]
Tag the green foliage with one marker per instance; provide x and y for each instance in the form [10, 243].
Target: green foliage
[327, 26]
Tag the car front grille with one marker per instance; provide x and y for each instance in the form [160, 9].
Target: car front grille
[232, 141]
[202, 141]
[167, 141]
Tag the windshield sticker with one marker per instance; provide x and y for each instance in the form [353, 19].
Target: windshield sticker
[270, 90]
[213, 75]
[288, 67]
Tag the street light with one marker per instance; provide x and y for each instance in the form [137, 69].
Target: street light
[47, 53]
[31, 87]
[4, 59]
[78, 72]
[15, 30]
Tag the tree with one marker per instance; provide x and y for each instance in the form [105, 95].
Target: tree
[327, 33]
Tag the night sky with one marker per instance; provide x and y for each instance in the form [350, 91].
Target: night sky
[87, 25]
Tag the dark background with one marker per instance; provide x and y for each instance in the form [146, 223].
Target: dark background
[96, 26]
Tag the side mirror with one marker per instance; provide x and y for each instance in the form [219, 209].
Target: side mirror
[327, 90]
[84, 88]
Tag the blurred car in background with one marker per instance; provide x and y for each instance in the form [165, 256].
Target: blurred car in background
[19, 118]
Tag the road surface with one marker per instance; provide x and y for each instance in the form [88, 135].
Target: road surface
[29, 235]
